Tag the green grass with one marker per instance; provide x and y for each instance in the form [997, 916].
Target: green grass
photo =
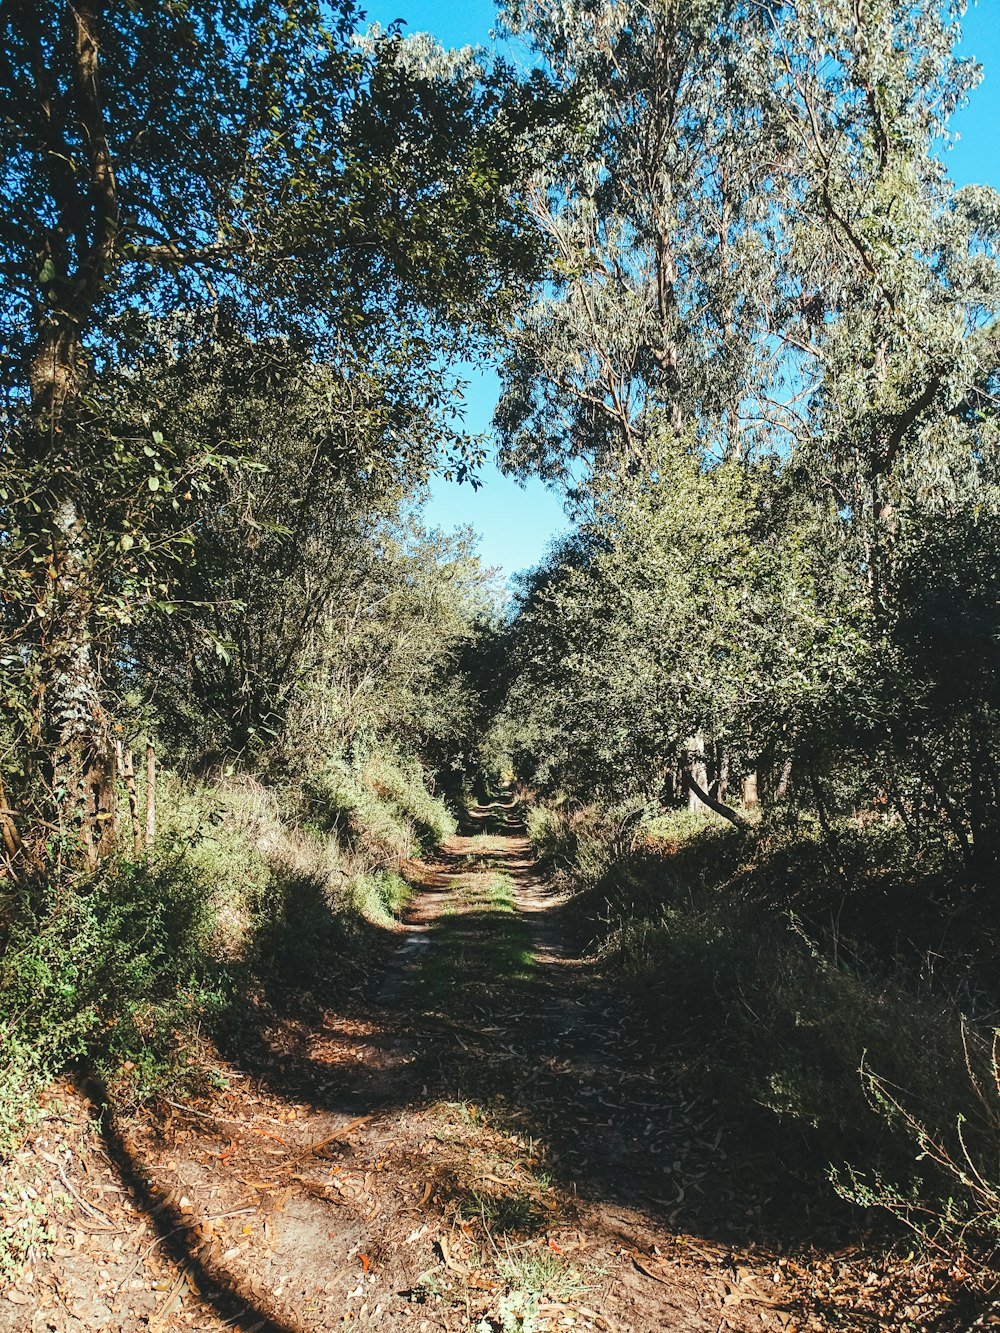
[534, 1278]
[380, 897]
[533, 1271]
[503, 1206]
[480, 942]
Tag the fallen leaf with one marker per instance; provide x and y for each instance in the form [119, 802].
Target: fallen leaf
[645, 1266]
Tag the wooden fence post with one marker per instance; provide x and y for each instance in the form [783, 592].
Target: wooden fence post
[128, 773]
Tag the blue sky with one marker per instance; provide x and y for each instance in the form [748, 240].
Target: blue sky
[517, 523]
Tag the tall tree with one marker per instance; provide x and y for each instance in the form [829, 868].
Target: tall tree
[757, 250]
[659, 217]
[183, 156]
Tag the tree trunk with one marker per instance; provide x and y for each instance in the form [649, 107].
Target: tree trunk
[78, 756]
[11, 837]
[720, 787]
[751, 798]
[696, 774]
[74, 754]
[830, 840]
[781, 791]
[706, 801]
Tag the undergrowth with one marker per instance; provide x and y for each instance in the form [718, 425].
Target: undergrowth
[134, 970]
[380, 808]
[785, 987]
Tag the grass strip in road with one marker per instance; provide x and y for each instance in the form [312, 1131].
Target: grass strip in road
[481, 942]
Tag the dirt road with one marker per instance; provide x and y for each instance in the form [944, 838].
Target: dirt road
[483, 1141]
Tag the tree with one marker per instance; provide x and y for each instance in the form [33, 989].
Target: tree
[659, 217]
[312, 609]
[694, 603]
[178, 158]
[756, 251]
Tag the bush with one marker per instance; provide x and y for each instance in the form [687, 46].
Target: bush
[585, 842]
[130, 968]
[114, 969]
[781, 981]
[341, 803]
[403, 788]
[380, 897]
[382, 809]
[552, 838]
[46, 1016]
[953, 1202]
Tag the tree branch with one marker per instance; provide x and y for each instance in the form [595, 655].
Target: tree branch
[905, 420]
[726, 811]
[170, 253]
[103, 186]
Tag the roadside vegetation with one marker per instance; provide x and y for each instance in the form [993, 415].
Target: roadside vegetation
[231, 651]
[850, 1044]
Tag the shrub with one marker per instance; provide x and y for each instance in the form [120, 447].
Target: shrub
[114, 969]
[46, 1013]
[381, 809]
[782, 982]
[402, 786]
[341, 803]
[952, 1201]
[552, 837]
[128, 969]
[380, 897]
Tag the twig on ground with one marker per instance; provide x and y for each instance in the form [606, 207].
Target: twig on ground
[95, 1213]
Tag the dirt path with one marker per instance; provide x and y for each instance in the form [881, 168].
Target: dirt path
[483, 1142]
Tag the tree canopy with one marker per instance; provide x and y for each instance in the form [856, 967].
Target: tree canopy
[206, 177]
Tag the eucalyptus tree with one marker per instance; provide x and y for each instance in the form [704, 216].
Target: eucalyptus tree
[900, 271]
[659, 217]
[756, 249]
[753, 195]
[663, 220]
[184, 157]
[894, 269]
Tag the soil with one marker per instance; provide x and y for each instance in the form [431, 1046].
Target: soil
[481, 1140]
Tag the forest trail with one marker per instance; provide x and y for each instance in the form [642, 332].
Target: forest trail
[483, 1141]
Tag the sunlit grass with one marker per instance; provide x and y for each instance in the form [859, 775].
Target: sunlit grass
[480, 941]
